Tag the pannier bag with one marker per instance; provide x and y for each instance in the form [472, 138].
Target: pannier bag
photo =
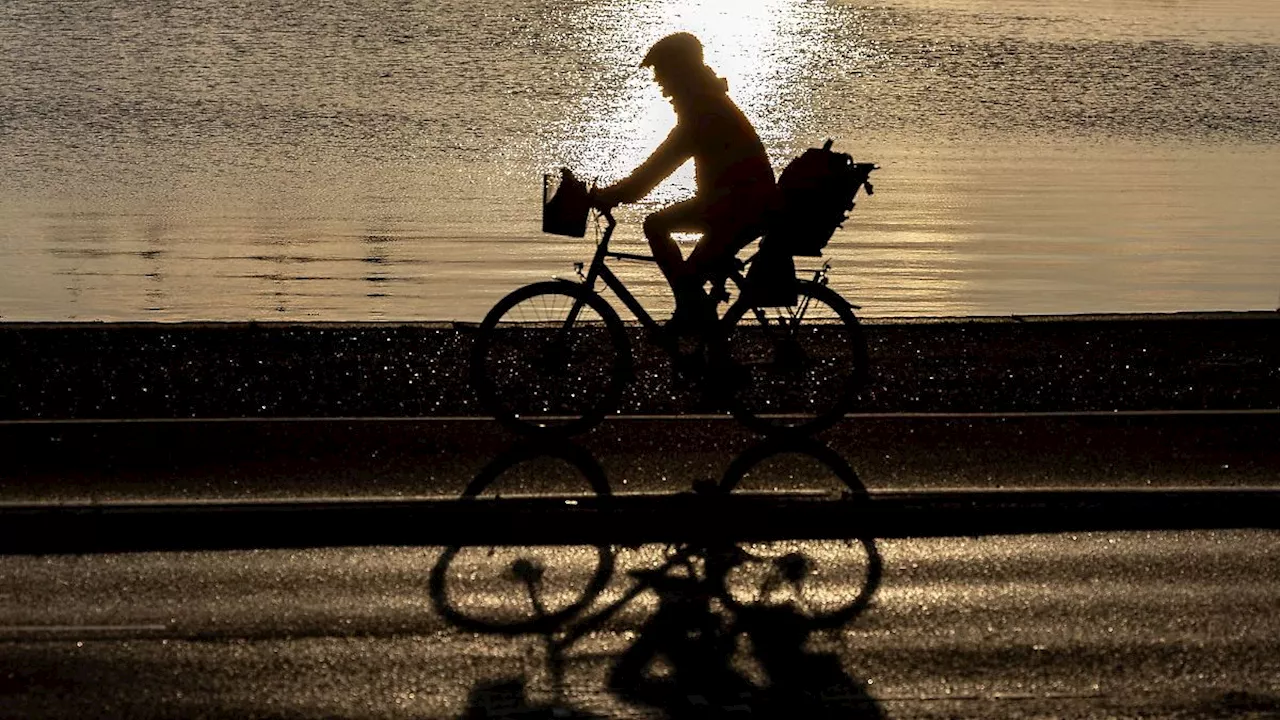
[771, 280]
[817, 192]
[565, 212]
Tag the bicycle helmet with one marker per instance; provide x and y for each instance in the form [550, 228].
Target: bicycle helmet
[678, 51]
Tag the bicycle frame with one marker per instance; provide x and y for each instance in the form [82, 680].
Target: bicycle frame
[599, 270]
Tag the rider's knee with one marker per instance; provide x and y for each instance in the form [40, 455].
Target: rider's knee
[655, 230]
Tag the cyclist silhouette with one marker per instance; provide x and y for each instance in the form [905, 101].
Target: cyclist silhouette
[735, 183]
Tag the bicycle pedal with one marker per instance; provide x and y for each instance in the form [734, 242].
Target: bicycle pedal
[724, 383]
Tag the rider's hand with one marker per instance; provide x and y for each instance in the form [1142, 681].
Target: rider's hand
[602, 199]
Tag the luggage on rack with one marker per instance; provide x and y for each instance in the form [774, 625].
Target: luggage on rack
[818, 190]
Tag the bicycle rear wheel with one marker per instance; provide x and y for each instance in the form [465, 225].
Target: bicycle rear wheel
[550, 359]
[795, 370]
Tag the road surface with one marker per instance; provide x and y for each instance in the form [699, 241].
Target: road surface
[1122, 623]
[1088, 625]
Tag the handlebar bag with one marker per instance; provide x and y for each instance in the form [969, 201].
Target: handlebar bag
[565, 213]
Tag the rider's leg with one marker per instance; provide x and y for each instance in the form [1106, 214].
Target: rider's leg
[732, 222]
[709, 255]
[684, 216]
[692, 305]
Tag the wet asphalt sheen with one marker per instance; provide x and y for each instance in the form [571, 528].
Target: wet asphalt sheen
[1140, 617]
[1072, 625]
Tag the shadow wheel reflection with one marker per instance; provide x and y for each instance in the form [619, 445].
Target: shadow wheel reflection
[518, 590]
[831, 588]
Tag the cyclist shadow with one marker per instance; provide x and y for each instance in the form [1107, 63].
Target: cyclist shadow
[707, 651]
[713, 646]
[685, 663]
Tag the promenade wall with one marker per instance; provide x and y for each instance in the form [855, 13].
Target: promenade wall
[160, 370]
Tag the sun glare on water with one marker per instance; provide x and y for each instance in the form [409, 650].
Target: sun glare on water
[761, 47]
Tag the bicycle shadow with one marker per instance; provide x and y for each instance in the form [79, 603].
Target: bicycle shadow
[687, 661]
[755, 658]
[688, 656]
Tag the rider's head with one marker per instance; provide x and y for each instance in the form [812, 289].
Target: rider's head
[677, 64]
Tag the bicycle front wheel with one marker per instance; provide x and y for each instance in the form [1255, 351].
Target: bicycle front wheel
[511, 590]
[550, 359]
[795, 370]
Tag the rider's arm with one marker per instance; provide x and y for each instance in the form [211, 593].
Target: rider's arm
[666, 159]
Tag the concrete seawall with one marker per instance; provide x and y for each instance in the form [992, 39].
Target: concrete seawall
[160, 370]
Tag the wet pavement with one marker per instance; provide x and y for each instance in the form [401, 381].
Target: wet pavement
[1090, 625]
[953, 620]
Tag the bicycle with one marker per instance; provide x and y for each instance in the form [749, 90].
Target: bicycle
[553, 358]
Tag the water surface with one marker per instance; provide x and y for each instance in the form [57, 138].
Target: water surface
[379, 160]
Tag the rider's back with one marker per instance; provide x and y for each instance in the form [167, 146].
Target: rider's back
[730, 162]
[726, 150]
